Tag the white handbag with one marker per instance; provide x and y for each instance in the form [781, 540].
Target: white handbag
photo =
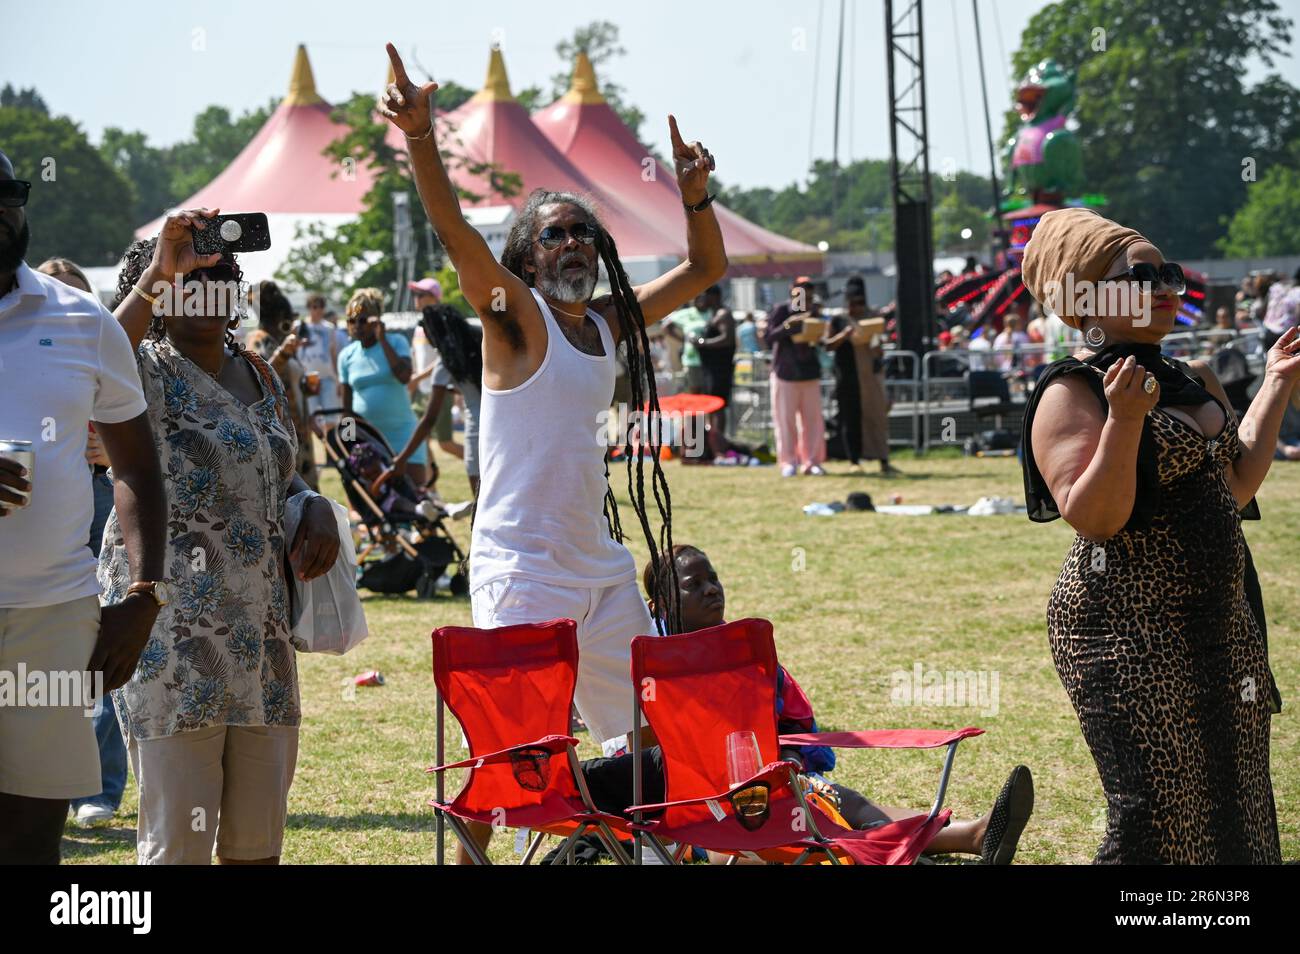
[326, 614]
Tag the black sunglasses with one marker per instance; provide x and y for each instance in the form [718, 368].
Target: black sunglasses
[553, 236]
[14, 192]
[220, 272]
[1169, 274]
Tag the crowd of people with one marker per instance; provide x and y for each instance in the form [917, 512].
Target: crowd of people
[175, 578]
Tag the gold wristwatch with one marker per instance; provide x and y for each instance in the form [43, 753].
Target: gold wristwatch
[157, 591]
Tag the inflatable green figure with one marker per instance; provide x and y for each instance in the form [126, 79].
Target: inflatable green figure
[1042, 161]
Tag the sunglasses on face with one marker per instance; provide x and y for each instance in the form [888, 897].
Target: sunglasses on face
[1170, 274]
[553, 236]
[13, 192]
[220, 272]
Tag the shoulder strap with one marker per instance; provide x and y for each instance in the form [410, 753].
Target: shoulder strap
[273, 385]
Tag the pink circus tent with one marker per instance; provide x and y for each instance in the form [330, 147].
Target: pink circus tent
[493, 127]
[583, 126]
[284, 173]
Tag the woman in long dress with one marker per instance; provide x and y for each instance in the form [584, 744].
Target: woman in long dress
[1149, 623]
[863, 421]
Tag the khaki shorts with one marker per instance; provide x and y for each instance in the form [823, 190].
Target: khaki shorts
[47, 745]
[223, 785]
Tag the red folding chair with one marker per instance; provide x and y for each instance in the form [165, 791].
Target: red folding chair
[697, 688]
[511, 690]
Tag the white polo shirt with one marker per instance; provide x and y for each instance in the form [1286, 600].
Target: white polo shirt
[64, 361]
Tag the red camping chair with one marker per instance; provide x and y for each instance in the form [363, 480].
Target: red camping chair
[511, 690]
[697, 688]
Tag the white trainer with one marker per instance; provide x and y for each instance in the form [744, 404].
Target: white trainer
[92, 813]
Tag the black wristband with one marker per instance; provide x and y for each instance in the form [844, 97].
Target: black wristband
[704, 204]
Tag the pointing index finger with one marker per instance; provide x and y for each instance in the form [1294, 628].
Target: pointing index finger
[678, 142]
[399, 70]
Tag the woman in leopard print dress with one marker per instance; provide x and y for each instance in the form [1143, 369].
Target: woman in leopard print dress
[1149, 625]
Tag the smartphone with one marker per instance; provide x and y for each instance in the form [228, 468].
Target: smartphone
[240, 232]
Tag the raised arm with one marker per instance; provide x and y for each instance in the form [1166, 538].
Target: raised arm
[489, 288]
[706, 258]
[1263, 419]
[172, 255]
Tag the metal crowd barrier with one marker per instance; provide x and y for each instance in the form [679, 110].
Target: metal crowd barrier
[929, 396]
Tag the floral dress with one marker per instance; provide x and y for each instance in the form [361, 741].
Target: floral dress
[219, 653]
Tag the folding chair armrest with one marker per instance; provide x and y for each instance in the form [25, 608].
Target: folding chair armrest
[554, 744]
[882, 738]
[776, 774]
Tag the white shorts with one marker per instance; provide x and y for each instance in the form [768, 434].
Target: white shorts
[224, 784]
[607, 617]
[47, 745]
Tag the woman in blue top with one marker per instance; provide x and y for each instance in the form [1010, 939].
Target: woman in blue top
[373, 371]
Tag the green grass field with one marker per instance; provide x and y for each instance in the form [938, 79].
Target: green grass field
[854, 598]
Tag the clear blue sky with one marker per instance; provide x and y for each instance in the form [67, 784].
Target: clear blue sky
[726, 68]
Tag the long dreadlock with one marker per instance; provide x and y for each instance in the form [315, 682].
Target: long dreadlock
[459, 344]
[645, 393]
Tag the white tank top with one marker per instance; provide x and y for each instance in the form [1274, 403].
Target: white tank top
[542, 465]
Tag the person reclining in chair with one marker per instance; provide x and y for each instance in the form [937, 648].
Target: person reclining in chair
[993, 836]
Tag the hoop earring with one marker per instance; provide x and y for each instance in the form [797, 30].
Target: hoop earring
[1094, 338]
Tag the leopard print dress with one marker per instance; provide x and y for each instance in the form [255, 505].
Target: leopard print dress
[1156, 646]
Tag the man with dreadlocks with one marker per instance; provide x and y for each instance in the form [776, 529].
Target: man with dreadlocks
[547, 540]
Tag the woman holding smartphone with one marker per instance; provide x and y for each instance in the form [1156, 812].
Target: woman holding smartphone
[211, 713]
[373, 371]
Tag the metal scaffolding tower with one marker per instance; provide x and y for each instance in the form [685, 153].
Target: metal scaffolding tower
[910, 174]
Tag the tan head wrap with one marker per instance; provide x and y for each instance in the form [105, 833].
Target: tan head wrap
[1071, 248]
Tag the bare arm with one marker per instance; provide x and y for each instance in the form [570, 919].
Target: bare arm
[315, 546]
[489, 288]
[138, 493]
[172, 255]
[401, 367]
[1089, 458]
[832, 342]
[1262, 422]
[723, 335]
[140, 499]
[706, 257]
[425, 425]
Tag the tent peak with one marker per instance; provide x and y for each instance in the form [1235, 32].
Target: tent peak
[583, 89]
[302, 84]
[496, 88]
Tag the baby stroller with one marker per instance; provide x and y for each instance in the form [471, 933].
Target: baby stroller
[410, 546]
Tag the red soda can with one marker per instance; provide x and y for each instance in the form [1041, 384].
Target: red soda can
[371, 677]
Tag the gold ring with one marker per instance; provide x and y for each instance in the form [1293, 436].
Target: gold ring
[1149, 385]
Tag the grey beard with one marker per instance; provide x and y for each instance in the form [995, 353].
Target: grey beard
[565, 289]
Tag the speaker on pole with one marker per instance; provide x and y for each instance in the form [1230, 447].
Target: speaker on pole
[914, 260]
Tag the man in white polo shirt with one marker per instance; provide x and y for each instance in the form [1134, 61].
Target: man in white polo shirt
[64, 362]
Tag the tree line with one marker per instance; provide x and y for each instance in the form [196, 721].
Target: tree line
[1184, 148]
